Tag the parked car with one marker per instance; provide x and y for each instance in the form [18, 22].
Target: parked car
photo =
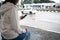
[28, 11]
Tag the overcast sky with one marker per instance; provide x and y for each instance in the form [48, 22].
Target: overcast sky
[56, 0]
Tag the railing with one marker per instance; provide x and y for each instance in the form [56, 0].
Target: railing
[49, 9]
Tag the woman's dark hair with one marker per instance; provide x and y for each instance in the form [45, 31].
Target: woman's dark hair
[11, 1]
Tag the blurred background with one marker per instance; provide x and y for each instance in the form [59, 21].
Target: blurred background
[43, 18]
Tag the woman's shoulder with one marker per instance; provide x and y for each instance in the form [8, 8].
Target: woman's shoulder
[7, 5]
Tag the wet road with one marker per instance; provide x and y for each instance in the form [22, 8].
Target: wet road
[49, 21]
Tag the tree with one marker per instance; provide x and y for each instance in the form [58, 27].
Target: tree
[27, 1]
[43, 1]
[37, 1]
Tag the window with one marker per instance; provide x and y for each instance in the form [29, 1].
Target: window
[42, 5]
[54, 6]
[46, 6]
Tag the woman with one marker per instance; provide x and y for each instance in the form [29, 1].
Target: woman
[10, 29]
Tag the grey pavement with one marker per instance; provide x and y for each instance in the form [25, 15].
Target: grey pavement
[39, 34]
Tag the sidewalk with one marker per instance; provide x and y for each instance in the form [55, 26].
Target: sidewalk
[38, 34]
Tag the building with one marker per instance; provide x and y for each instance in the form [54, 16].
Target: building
[40, 5]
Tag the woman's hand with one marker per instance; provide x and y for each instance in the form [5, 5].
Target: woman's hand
[22, 17]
